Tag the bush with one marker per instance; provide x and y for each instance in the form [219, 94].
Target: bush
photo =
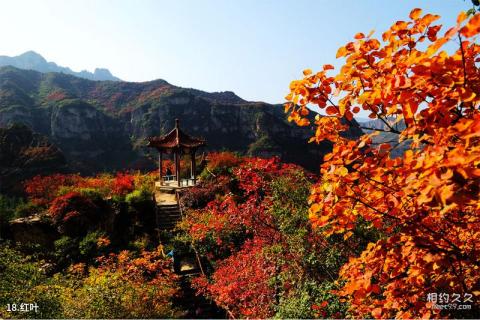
[123, 184]
[22, 281]
[203, 193]
[138, 196]
[220, 162]
[43, 189]
[75, 213]
[27, 209]
[146, 181]
[8, 206]
[124, 286]
[89, 246]
[66, 250]
[310, 300]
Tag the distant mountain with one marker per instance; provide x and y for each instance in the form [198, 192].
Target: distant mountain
[102, 125]
[31, 60]
[379, 124]
[387, 137]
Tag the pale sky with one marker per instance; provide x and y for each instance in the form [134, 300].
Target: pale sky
[252, 47]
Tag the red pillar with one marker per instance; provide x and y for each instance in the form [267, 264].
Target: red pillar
[193, 168]
[177, 166]
[160, 167]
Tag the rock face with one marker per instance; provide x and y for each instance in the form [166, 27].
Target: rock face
[24, 154]
[103, 125]
[33, 230]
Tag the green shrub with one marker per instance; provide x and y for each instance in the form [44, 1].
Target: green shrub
[138, 196]
[27, 209]
[312, 299]
[8, 206]
[66, 250]
[92, 193]
[88, 246]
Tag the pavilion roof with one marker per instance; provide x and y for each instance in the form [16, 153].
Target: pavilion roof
[175, 138]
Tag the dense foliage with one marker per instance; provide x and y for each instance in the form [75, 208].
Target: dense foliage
[264, 259]
[425, 203]
[112, 289]
[373, 236]
[103, 261]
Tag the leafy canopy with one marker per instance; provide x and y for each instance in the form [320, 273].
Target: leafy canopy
[426, 202]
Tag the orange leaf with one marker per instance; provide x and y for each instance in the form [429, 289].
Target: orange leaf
[331, 110]
[415, 13]
[359, 35]
[307, 72]
[328, 67]
[348, 115]
[461, 17]
[472, 27]
[377, 313]
[342, 51]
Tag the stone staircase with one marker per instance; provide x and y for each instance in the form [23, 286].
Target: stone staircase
[167, 216]
[168, 211]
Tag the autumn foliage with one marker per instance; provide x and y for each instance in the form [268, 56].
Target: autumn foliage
[256, 237]
[42, 190]
[425, 203]
[219, 160]
[123, 285]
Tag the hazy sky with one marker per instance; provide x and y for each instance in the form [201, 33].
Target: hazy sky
[252, 47]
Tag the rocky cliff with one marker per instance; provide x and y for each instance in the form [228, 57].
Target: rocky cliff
[24, 154]
[102, 125]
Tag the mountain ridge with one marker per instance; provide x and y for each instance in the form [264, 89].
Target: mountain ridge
[31, 60]
[102, 125]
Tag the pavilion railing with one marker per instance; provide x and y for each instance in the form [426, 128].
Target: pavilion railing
[171, 179]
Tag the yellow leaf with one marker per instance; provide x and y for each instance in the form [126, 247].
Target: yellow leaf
[461, 17]
[342, 51]
[347, 235]
[342, 171]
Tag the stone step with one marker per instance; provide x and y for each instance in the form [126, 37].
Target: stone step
[167, 226]
[169, 211]
[169, 214]
[170, 221]
[169, 217]
[171, 205]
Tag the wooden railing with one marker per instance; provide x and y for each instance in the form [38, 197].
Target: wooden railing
[171, 180]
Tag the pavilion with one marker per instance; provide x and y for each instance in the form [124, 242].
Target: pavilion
[178, 143]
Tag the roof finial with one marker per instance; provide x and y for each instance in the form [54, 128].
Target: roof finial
[177, 123]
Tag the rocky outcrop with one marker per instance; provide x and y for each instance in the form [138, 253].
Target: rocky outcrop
[34, 231]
